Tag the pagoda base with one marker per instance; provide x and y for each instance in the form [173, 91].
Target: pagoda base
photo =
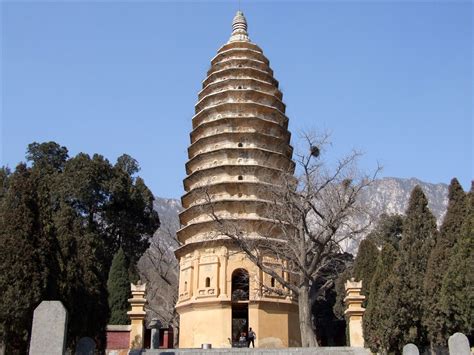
[220, 324]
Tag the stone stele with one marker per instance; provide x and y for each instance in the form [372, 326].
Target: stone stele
[410, 349]
[459, 344]
[48, 334]
[85, 346]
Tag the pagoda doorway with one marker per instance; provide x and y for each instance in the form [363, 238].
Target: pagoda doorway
[240, 306]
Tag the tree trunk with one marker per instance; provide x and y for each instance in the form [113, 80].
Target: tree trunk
[308, 334]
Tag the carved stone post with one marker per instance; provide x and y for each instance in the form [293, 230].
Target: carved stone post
[354, 312]
[137, 315]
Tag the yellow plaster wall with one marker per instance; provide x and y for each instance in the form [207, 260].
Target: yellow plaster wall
[205, 324]
[136, 334]
[206, 312]
[276, 324]
[356, 334]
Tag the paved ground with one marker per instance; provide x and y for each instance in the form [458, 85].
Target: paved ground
[289, 351]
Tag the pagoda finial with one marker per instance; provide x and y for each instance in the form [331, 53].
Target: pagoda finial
[239, 28]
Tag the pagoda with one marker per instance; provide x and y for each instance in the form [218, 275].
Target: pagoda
[240, 144]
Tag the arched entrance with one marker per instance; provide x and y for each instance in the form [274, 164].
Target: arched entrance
[240, 306]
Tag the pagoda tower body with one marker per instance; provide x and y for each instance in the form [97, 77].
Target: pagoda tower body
[239, 145]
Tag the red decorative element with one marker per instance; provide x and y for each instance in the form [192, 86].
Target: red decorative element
[117, 339]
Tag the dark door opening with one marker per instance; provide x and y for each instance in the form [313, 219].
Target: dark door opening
[240, 285]
[240, 307]
[240, 323]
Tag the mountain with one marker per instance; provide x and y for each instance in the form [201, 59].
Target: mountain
[168, 209]
[159, 268]
[390, 196]
[387, 195]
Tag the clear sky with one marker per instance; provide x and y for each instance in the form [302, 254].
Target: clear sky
[394, 79]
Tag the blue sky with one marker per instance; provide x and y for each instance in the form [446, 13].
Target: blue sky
[393, 79]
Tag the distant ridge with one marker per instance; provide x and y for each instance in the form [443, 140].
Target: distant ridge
[390, 195]
[386, 195]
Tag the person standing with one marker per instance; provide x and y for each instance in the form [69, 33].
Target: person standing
[251, 337]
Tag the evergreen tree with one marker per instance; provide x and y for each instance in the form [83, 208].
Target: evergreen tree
[339, 306]
[434, 319]
[56, 220]
[129, 214]
[365, 264]
[4, 175]
[379, 322]
[118, 205]
[21, 277]
[418, 239]
[457, 290]
[47, 161]
[329, 326]
[82, 282]
[49, 154]
[118, 286]
[388, 230]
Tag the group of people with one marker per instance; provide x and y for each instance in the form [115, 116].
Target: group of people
[249, 339]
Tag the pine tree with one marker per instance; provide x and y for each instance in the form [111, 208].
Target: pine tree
[418, 239]
[82, 281]
[21, 278]
[365, 264]
[4, 175]
[378, 321]
[388, 230]
[434, 320]
[457, 290]
[118, 286]
[339, 286]
[59, 228]
[129, 214]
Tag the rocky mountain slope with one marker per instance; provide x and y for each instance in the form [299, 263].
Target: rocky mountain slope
[158, 267]
[386, 195]
[390, 196]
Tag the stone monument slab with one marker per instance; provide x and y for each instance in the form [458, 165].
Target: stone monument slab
[410, 349]
[459, 344]
[85, 346]
[48, 334]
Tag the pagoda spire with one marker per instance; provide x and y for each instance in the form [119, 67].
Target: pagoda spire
[239, 28]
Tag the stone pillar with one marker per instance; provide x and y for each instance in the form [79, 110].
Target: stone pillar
[137, 315]
[354, 312]
[155, 326]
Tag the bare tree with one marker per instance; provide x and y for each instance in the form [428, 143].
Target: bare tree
[159, 268]
[310, 214]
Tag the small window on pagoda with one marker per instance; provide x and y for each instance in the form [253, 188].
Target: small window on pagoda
[272, 282]
[240, 177]
[185, 286]
[240, 145]
[240, 87]
[208, 282]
